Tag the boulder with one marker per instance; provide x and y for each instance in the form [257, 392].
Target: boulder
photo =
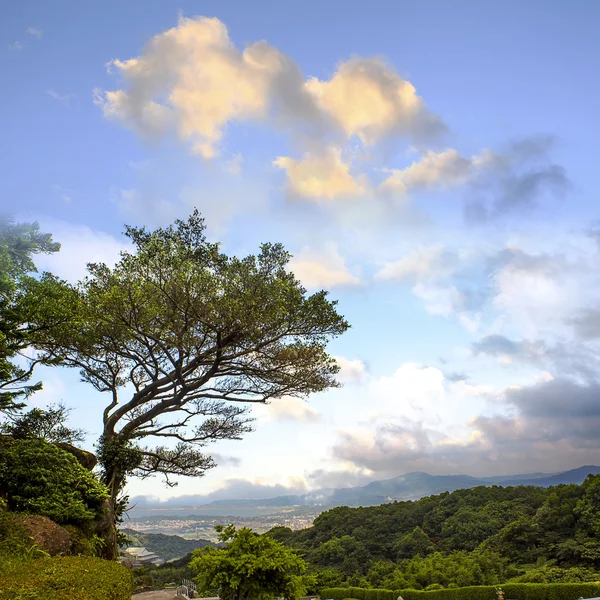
[50, 537]
[85, 458]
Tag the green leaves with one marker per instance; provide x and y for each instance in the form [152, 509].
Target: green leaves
[195, 334]
[18, 242]
[249, 567]
[39, 478]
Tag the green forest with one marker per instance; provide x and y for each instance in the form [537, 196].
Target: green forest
[479, 536]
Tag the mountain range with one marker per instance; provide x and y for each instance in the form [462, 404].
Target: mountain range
[410, 486]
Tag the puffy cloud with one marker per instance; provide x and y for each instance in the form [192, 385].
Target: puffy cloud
[545, 433]
[423, 263]
[288, 408]
[34, 31]
[434, 170]
[351, 371]
[320, 176]
[324, 268]
[191, 79]
[80, 245]
[515, 180]
[368, 99]
[15, 46]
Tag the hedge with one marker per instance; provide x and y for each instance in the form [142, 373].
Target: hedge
[66, 578]
[512, 591]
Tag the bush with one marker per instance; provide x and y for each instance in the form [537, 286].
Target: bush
[39, 478]
[512, 591]
[66, 578]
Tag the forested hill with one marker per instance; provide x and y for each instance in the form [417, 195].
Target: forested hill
[486, 533]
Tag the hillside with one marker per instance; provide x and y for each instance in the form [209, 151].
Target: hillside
[167, 547]
[487, 533]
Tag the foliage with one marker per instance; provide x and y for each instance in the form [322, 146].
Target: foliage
[479, 536]
[66, 578]
[197, 335]
[171, 572]
[558, 575]
[250, 567]
[18, 242]
[46, 424]
[39, 478]
[515, 591]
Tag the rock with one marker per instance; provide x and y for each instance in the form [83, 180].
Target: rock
[50, 537]
[85, 458]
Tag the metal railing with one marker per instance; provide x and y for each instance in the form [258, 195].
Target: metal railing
[186, 589]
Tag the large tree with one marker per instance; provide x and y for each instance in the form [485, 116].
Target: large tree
[250, 567]
[182, 339]
[18, 243]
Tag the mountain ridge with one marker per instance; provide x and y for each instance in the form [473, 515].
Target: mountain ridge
[410, 486]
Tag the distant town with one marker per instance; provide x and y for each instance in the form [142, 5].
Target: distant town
[203, 526]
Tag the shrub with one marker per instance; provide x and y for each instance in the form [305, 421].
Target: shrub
[39, 478]
[512, 591]
[66, 578]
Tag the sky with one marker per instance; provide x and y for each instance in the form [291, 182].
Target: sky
[429, 163]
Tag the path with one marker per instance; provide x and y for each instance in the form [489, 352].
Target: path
[159, 595]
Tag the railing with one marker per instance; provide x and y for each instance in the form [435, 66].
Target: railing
[186, 589]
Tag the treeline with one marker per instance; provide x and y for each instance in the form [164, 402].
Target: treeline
[479, 536]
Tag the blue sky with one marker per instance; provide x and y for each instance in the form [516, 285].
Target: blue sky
[430, 163]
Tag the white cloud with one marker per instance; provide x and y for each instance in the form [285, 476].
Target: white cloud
[234, 165]
[322, 268]
[422, 263]
[34, 31]
[320, 176]
[79, 245]
[15, 46]
[193, 81]
[433, 170]
[368, 99]
[351, 370]
[64, 99]
[288, 408]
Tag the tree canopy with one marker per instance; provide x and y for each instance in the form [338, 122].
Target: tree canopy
[183, 338]
[18, 243]
[250, 567]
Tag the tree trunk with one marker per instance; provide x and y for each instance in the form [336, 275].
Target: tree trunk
[107, 528]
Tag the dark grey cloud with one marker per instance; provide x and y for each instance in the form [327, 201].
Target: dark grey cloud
[516, 181]
[223, 460]
[559, 399]
[496, 345]
[586, 324]
[549, 426]
[456, 376]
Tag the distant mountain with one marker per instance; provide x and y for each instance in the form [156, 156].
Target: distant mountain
[411, 486]
[573, 476]
[165, 546]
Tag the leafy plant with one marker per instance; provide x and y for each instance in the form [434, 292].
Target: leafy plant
[39, 478]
